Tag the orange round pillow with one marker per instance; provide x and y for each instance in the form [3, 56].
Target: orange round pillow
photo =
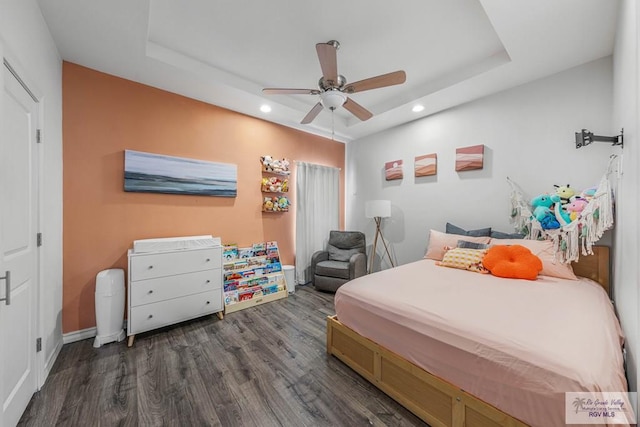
[513, 261]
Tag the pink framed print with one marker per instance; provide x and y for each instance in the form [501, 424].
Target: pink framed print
[426, 165]
[393, 170]
[469, 158]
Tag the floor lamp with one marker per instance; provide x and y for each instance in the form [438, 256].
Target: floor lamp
[378, 209]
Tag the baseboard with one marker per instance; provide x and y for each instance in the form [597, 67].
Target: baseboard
[80, 335]
[48, 364]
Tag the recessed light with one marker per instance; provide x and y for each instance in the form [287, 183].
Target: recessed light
[265, 108]
[417, 108]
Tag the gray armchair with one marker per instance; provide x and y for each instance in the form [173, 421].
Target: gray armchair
[344, 260]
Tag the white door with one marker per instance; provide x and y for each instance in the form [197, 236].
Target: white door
[18, 249]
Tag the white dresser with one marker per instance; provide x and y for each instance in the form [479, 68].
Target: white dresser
[170, 286]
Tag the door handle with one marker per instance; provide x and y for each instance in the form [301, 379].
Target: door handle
[7, 278]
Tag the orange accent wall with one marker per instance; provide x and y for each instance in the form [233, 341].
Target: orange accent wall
[102, 116]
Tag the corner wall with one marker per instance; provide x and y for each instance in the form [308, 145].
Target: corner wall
[626, 97]
[103, 116]
[528, 133]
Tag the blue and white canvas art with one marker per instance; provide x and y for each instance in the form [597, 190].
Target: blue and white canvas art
[155, 173]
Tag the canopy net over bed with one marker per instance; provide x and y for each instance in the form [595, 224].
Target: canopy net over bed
[547, 217]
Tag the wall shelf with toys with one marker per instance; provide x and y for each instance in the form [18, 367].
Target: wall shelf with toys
[252, 276]
[272, 183]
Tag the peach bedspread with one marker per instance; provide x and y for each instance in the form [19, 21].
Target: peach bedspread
[516, 344]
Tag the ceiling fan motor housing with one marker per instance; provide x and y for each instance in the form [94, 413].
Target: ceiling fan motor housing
[330, 84]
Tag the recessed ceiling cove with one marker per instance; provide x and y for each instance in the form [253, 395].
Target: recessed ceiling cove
[225, 52]
[250, 45]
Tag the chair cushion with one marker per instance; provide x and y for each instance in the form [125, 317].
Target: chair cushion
[333, 269]
[343, 244]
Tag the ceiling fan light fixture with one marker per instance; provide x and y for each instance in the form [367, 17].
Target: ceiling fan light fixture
[333, 99]
[265, 108]
[417, 108]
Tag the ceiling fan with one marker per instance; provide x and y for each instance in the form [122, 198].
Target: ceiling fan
[333, 88]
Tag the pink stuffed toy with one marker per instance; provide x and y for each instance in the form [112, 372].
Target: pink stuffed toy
[575, 207]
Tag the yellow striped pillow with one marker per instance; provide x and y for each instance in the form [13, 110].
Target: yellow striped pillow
[465, 259]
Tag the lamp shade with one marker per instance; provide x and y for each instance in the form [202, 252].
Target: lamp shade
[377, 208]
[333, 99]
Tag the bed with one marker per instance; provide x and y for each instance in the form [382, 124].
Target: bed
[461, 348]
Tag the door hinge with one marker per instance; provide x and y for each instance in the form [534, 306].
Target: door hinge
[38, 345]
[39, 239]
[38, 136]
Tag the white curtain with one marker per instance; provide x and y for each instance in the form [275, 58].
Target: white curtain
[317, 212]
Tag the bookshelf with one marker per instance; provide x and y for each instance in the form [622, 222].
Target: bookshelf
[252, 276]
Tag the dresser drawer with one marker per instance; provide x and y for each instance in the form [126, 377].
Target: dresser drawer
[169, 287]
[171, 263]
[151, 316]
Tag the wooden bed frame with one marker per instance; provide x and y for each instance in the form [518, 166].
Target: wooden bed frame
[434, 400]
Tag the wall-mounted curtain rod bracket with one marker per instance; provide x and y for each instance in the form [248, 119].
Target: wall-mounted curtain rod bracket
[585, 138]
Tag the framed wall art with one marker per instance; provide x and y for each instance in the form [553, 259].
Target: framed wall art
[156, 173]
[426, 165]
[393, 170]
[469, 158]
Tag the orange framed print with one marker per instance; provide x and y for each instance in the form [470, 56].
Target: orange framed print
[426, 165]
[393, 170]
[469, 158]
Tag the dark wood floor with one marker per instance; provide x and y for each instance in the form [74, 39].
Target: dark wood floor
[264, 366]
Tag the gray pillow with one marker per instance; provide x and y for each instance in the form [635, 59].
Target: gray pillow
[471, 245]
[337, 254]
[481, 232]
[501, 235]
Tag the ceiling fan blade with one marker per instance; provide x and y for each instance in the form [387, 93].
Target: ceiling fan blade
[312, 114]
[357, 110]
[283, 91]
[328, 61]
[384, 80]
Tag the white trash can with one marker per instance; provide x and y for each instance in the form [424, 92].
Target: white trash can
[290, 277]
[109, 306]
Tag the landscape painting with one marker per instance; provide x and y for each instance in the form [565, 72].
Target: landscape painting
[393, 170]
[155, 173]
[426, 165]
[469, 158]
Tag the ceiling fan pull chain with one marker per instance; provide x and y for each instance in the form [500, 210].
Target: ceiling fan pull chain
[332, 126]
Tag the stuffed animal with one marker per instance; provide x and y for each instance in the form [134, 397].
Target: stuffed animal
[575, 207]
[276, 206]
[285, 186]
[283, 203]
[268, 204]
[275, 185]
[565, 192]
[588, 193]
[542, 211]
[541, 205]
[549, 222]
[267, 163]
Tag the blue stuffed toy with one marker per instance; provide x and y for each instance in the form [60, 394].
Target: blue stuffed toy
[542, 211]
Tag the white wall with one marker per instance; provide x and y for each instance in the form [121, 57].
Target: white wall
[528, 133]
[626, 87]
[28, 44]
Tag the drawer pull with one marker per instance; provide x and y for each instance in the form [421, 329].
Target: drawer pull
[151, 291]
[208, 302]
[150, 316]
[150, 267]
[208, 281]
[208, 259]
